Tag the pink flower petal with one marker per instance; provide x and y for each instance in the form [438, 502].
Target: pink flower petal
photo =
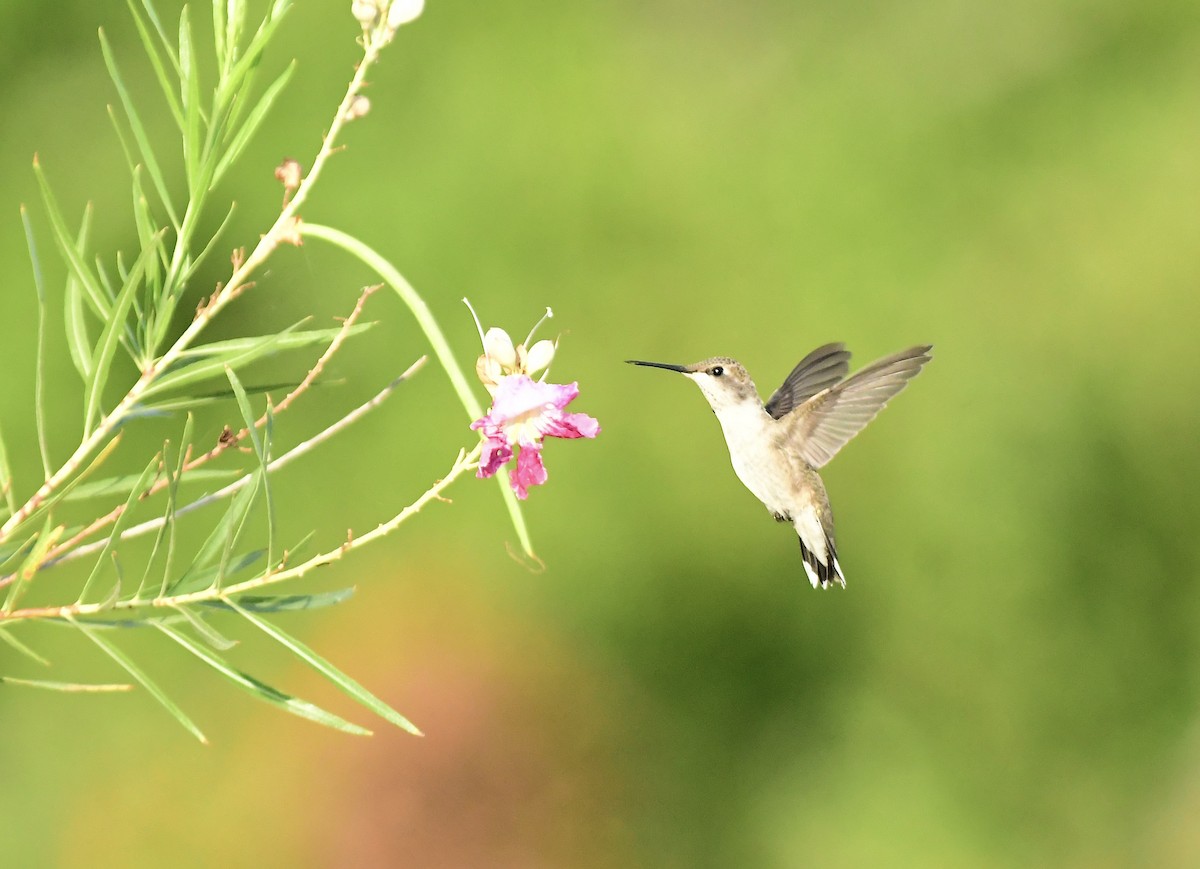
[530, 470]
[496, 452]
[569, 425]
[523, 412]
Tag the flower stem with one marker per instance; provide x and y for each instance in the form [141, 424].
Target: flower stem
[441, 349]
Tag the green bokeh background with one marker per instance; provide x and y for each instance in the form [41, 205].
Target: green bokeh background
[1011, 676]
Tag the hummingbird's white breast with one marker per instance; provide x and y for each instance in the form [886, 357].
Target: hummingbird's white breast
[756, 454]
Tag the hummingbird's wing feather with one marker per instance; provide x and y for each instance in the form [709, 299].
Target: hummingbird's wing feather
[821, 369]
[828, 420]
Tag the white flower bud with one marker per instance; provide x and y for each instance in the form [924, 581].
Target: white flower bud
[498, 346]
[403, 11]
[540, 355]
[366, 12]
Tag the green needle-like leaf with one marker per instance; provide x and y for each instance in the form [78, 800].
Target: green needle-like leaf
[73, 256]
[119, 487]
[210, 360]
[166, 532]
[20, 647]
[138, 130]
[168, 48]
[122, 522]
[67, 687]
[140, 677]
[199, 577]
[106, 347]
[78, 342]
[330, 672]
[261, 442]
[6, 480]
[33, 562]
[206, 631]
[39, 384]
[245, 132]
[165, 80]
[260, 689]
[278, 603]
[189, 92]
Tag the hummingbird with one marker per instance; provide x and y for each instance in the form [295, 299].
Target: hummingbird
[777, 448]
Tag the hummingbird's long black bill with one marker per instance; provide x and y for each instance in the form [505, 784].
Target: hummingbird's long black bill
[657, 365]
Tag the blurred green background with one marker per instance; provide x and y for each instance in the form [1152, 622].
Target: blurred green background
[1011, 676]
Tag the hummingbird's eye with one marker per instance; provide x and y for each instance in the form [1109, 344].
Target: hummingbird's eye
[716, 371]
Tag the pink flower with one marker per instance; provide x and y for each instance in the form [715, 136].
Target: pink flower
[524, 412]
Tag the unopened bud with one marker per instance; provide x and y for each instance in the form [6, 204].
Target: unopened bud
[358, 107]
[540, 356]
[498, 346]
[403, 11]
[366, 12]
[288, 173]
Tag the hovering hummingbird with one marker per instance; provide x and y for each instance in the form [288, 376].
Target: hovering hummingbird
[777, 448]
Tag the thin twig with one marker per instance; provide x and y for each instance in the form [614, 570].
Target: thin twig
[240, 483]
[62, 551]
[463, 463]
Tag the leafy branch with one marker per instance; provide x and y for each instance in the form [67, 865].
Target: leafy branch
[126, 306]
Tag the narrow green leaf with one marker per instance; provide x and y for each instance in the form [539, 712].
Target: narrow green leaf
[189, 94]
[210, 360]
[166, 532]
[289, 339]
[250, 58]
[260, 689]
[16, 550]
[206, 631]
[148, 310]
[278, 603]
[110, 337]
[220, 396]
[107, 287]
[330, 672]
[220, 22]
[79, 343]
[68, 487]
[246, 130]
[39, 382]
[49, 535]
[261, 441]
[6, 479]
[207, 574]
[140, 677]
[139, 131]
[122, 522]
[66, 687]
[199, 259]
[119, 487]
[154, 53]
[71, 255]
[168, 48]
[18, 646]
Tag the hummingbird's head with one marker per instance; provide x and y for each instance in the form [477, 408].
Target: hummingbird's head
[723, 381]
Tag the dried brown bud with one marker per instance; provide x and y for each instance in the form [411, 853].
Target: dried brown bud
[289, 174]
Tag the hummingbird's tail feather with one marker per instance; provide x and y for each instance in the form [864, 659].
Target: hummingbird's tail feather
[822, 573]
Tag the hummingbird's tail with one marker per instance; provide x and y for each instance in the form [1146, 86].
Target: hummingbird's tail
[822, 573]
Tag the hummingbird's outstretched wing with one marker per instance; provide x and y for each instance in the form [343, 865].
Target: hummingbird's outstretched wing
[821, 369]
[822, 425]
